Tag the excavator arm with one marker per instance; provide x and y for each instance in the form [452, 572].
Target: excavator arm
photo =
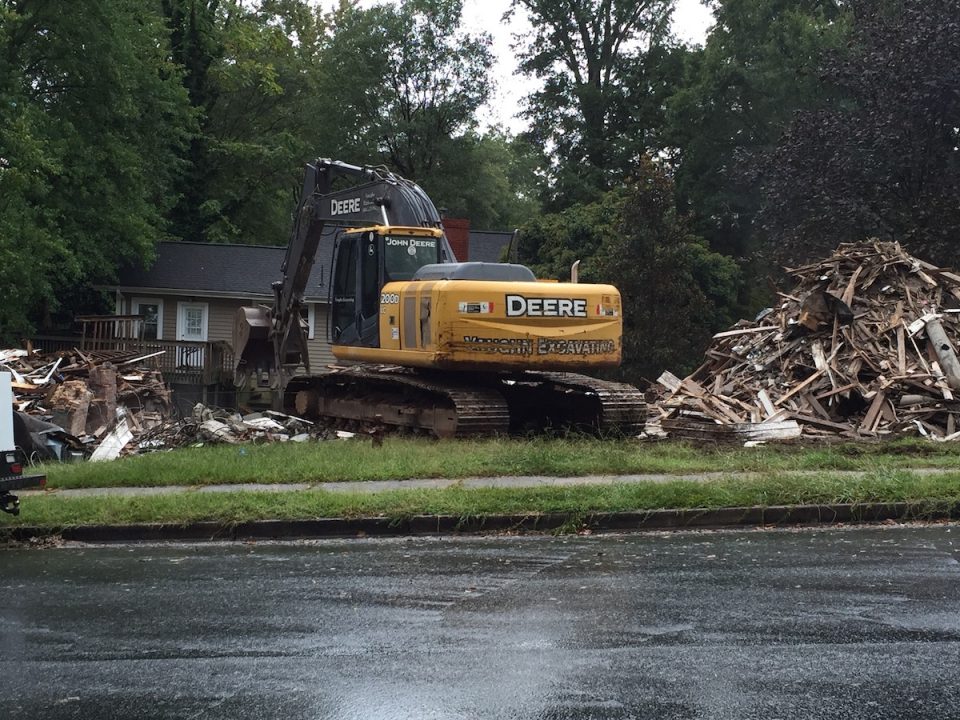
[273, 339]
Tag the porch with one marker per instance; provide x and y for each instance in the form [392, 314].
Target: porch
[181, 362]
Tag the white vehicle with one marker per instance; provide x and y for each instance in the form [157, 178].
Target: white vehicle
[11, 459]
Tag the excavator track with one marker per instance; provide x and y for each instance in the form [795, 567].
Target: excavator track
[561, 401]
[403, 398]
[469, 404]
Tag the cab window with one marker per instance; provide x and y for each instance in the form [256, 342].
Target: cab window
[404, 255]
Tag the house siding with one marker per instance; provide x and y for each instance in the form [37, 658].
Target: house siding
[220, 318]
[319, 348]
[220, 314]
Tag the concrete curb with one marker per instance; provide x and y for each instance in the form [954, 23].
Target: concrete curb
[536, 523]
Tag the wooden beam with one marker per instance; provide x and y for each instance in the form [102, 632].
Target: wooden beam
[944, 350]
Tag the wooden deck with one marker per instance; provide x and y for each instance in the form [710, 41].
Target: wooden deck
[188, 363]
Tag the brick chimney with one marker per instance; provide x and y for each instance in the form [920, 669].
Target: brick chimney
[458, 233]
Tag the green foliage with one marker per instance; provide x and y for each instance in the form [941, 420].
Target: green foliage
[884, 159]
[549, 244]
[92, 116]
[760, 64]
[403, 80]
[603, 72]
[402, 86]
[676, 291]
[486, 178]
[253, 73]
[29, 252]
[668, 277]
[932, 495]
[406, 458]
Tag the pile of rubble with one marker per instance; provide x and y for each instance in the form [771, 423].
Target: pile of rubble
[213, 426]
[209, 425]
[864, 346]
[102, 405]
[75, 403]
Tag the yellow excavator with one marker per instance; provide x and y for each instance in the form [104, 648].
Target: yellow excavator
[445, 347]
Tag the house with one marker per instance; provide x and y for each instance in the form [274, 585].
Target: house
[192, 291]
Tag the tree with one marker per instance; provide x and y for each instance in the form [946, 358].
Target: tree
[675, 291]
[404, 80]
[253, 75]
[262, 126]
[195, 44]
[585, 51]
[92, 117]
[884, 158]
[760, 64]
[549, 244]
[487, 178]
[402, 85]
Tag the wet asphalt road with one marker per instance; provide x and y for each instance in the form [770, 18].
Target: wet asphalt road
[856, 623]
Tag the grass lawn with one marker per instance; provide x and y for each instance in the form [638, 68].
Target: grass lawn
[928, 491]
[400, 459]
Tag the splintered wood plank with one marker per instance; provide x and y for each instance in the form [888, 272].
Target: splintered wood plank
[837, 391]
[897, 317]
[916, 349]
[718, 355]
[847, 296]
[901, 351]
[906, 289]
[745, 331]
[709, 412]
[799, 388]
[819, 422]
[693, 387]
[768, 408]
[668, 380]
[815, 405]
[819, 356]
[740, 432]
[717, 384]
[723, 409]
[887, 412]
[869, 422]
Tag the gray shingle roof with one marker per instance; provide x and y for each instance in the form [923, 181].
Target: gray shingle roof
[240, 270]
[486, 245]
[248, 270]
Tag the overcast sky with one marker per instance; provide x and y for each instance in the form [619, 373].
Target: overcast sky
[691, 21]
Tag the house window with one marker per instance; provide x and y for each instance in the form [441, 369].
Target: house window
[152, 311]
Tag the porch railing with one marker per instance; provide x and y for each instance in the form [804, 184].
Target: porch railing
[190, 363]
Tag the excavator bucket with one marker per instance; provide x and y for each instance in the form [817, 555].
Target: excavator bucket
[252, 345]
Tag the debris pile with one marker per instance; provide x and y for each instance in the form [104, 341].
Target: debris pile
[864, 346]
[74, 403]
[208, 425]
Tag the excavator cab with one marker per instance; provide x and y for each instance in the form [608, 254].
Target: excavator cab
[364, 261]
